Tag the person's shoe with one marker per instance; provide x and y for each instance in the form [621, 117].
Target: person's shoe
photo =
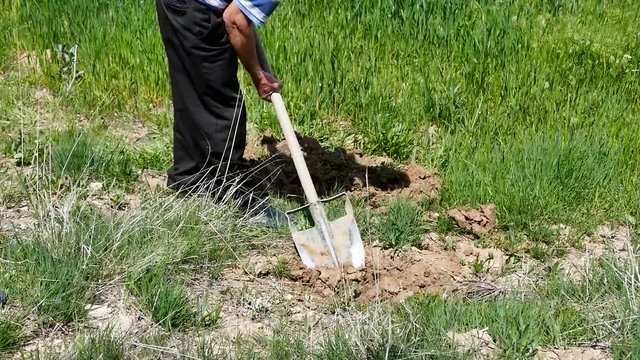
[268, 216]
[258, 210]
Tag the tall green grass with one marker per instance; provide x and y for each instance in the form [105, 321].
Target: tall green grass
[535, 104]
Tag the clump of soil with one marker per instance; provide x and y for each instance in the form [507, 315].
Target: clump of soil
[375, 178]
[387, 275]
[478, 222]
[477, 342]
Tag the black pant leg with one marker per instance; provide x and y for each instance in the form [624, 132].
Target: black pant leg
[209, 112]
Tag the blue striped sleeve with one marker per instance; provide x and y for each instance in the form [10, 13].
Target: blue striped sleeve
[258, 11]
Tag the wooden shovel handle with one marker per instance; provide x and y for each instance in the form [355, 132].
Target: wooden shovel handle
[294, 148]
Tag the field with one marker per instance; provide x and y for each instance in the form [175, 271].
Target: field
[491, 150]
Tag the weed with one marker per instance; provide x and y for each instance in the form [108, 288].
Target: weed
[11, 335]
[401, 226]
[281, 269]
[446, 225]
[167, 302]
[478, 266]
[100, 345]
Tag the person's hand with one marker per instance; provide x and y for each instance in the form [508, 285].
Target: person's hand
[267, 84]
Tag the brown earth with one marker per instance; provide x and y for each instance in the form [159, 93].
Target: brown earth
[374, 178]
[478, 222]
[389, 274]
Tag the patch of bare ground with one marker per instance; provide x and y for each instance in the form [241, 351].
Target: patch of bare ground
[388, 275]
[117, 313]
[576, 353]
[17, 217]
[607, 242]
[56, 340]
[479, 345]
[477, 342]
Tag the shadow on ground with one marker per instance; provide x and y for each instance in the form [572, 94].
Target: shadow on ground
[332, 170]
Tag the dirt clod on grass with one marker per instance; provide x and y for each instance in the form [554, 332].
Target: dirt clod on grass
[478, 222]
[375, 178]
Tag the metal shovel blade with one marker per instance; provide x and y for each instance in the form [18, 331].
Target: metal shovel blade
[344, 235]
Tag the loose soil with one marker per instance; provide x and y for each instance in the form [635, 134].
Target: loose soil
[389, 274]
[374, 178]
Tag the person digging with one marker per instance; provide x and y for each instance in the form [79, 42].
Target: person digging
[203, 40]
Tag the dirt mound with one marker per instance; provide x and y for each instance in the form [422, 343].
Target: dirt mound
[387, 275]
[373, 177]
[478, 222]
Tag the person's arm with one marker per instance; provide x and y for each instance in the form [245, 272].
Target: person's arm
[262, 57]
[243, 40]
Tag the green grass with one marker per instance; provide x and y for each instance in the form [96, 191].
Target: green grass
[534, 104]
[100, 346]
[56, 268]
[166, 301]
[401, 226]
[11, 335]
[75, 155]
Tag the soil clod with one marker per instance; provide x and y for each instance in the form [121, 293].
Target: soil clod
[478, 222]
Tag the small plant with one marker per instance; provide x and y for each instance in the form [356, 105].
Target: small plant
[401, 226]
[540, 252]
[167, 303]
[207, 316]
[10, 335]
[478, 265]
[281, 269]
[69, 57]
[445, 225]
[100, 345]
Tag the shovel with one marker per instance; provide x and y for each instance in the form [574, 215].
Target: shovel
[334, 243]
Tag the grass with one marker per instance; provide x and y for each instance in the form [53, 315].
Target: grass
[11, 335]
[74, 155]
[530, 106]
[533, 104]
[167, 302]
[57, 267]
[401, 226]
[100, 346]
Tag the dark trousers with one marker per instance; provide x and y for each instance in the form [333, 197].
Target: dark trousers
[209, 131]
